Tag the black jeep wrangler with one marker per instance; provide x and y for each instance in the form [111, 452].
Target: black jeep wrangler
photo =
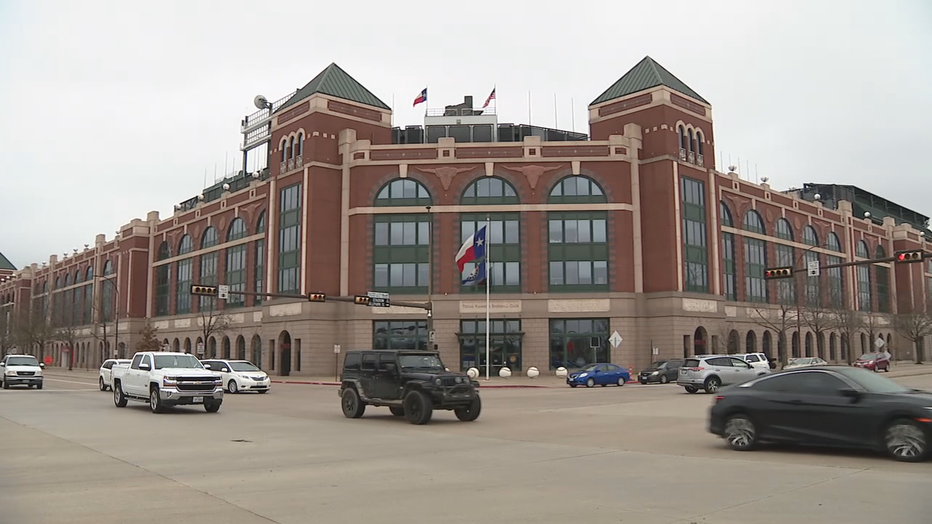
[411, 383]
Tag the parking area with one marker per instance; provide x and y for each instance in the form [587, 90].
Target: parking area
[615, 454]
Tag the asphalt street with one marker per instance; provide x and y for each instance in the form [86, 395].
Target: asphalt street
[633, 454]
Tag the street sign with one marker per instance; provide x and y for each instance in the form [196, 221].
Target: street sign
[615, 340]
[200, 348]
[431, 336]
[813, 268]
[879, 342]
[223, 292]
[336, 349]
[655, 351]
[379, 299]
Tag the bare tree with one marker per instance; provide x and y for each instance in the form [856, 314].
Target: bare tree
[722, 339]
[31, 330]
[67, 332]
[780, 320]
[817, 315]
[914, 326]
[212, 322]
[849, 323]
[6, 330]
[149, 340]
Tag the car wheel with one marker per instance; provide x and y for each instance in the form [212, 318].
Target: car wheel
[6, 385]
[100, 384]
[212, 407]
[664, 379]
[398, 411]
[691, 389]
[906, 441]
[740, 433]
[418, 408]
[712, 384]
[590, 383]
[886, 369]
[471, 413]
[119, 399]
[263, 391]
[621, 381]
[39, 386]
[573, 385]
[352, 405]
[233, 387]
[155, 401]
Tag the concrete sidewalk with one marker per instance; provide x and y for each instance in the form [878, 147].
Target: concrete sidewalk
[546, 380]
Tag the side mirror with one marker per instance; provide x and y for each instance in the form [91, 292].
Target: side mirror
[144, 367]
[41, 365]
[224, 370]
[2, 364]
[851, 393]
[206, 366]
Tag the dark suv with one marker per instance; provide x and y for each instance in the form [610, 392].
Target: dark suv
[411, 383]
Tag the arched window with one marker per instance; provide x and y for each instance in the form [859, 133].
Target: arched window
[726, 215]
[699, 142]
[682, 132]
[89, 274]
[403, 192]
[400, 254]
[165, 251]
[237, 229]
[578, 241]
[754, 223]
[300, 145]
[259, 274]
[864, 278]
[810, 237]
[692, 142]
[78, 276]
[490, 190]
[284, 148]
[186, 245]
[880, 252]
[832, 242]
[67, 279]
[577, 189]
[58, 283]
[209, 239]
[503, 236]
[784, 229]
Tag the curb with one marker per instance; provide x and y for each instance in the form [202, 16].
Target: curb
[497, 386]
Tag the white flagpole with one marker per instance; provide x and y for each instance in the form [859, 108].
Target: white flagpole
[488, 286]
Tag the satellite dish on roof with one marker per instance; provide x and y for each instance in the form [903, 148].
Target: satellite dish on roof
[261, 102]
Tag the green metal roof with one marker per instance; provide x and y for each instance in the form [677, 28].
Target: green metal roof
[6, 264]
[335, 82]
[645, 75]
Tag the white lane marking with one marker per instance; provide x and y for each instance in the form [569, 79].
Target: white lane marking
[68, 381]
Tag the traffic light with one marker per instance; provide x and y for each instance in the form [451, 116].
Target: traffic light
[778, 272]
[362, 300]
[207, 291]
[909, 256]
[316, 297]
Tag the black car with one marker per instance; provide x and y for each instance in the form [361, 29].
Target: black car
[661, 371]
[826, 406]
[411, 384]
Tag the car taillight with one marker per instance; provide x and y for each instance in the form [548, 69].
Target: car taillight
[719, 399]
[696, 369]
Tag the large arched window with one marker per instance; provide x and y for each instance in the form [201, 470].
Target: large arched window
[162, 280]
[236, 263]
[402, 192]
[786, 257]
[400, 255]
[259, 247]
[755, 259]
[810, 237]
[729, 267]
[695, 235]
[503, 238]
[237, 229]
[209, 238]
[184, 276]
[289, 238]
[208, 273]
[836, 281]
[578, 240]
[89, 295]
[784, 229]
[833, 243]
[883, 281]
[186, 245]
[864, 278]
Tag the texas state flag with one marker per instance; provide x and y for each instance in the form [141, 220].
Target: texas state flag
[421, 97]
[473, 249]
[477, 275]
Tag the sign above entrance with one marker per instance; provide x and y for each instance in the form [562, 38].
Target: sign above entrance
[615, 340]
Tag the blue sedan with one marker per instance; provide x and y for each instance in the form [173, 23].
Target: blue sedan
[601, 374]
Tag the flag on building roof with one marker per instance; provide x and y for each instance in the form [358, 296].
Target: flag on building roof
[421, 97]
[489, 99]
[472, 249]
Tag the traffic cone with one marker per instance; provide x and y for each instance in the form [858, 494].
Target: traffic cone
[631, 377]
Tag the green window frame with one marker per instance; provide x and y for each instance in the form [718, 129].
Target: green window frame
[784, 230]
[729, 267]
[572, 341]
[289, 240]
[786, 288]
[400, 253]
[578, 251]
[883, 289]
[183, 287]
[695, 236]
[755, 257]
[490, 191]
[504, 244]
[402, 192]
[237, 229]
[236, 275]
[208, 277]
[106, 293]
[577, 189]
[259, 275]
[754, 223]
[504, 344]
[162, 283]
[399, 334]
[836, 282]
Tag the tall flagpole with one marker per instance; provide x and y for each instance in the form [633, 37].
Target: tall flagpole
[488, 287]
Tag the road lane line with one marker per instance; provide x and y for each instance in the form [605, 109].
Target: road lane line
[68, 381]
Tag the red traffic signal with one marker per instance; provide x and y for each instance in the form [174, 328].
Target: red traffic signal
[316, 297]
[909, 256]
[778, 272]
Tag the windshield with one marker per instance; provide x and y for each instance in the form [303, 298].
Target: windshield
[243, 366]
[590, 367]
[422, 362]
[873, 382]
[177, 361]
[657, 365]
[868, 356]
[22, 361]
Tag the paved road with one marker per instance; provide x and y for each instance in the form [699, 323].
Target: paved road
[633, 454]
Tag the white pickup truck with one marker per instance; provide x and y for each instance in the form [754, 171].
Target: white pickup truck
[166, 379]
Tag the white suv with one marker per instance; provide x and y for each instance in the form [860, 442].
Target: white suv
[756, 360]
[103, 379]
[21, 370]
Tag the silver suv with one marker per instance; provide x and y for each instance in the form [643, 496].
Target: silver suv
[710, 372]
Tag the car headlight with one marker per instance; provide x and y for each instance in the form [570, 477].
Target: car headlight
[582, 375]
[169, 381]
[10, 373]
[655, 373]
[438, 381]
[218, 381]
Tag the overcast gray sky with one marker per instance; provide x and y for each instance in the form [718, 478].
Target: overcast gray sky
[116, 108]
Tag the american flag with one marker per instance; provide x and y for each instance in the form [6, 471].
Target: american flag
[489, 99]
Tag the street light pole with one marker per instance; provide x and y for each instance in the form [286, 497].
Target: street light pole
[799, 324]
